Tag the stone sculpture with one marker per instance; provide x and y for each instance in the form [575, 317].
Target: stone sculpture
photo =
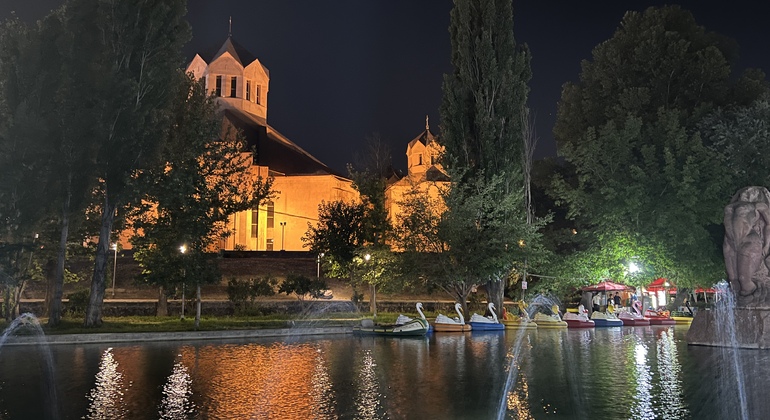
[746, 245]
[745, 320]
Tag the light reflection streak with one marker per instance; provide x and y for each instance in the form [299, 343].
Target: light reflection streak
[106, 398]
[669, 369]
[176, 404]
[323, 392]
[643, 394]
[368, 398]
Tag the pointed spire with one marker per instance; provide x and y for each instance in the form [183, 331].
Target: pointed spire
[427, 126]
[230, 31]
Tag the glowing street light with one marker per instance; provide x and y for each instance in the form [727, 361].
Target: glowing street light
[318, 268]
[633, 268]
[114, 247]
[183, 249]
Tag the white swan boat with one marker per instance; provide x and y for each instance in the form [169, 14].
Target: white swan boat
[403, 319]
[444, 323]
[485, 323]
[415, 327]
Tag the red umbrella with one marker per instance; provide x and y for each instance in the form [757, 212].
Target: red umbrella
[606, 286]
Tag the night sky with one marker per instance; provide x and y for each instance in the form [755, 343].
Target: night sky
[343, 70]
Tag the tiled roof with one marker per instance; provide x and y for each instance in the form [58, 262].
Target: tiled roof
[272, 149]
[238, 52]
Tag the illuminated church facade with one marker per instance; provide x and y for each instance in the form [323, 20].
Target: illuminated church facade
[424, 174]
[300, 181]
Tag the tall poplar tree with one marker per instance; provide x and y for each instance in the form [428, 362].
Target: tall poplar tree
[481, 131]
[126, 58]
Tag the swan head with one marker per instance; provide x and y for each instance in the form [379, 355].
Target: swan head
[419, 305]
[458, 306]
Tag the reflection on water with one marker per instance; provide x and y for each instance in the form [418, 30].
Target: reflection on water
[107, 395]
[620, 373]
[643, 382]
[368, 398]
[323, 390]
[670, 371]
[176, 404]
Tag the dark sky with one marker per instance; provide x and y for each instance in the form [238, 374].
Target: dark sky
[342, 70]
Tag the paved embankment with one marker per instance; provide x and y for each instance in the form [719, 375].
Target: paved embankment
[172, 336]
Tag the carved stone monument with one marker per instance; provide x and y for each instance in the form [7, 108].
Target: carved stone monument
[747, 262]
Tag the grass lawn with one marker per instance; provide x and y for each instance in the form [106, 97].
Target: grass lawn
[139, 324]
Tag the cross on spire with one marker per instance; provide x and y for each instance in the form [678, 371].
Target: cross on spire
[230, 31]
[427, 126]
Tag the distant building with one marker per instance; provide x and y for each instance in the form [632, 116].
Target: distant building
[301, 181]
[424, 173]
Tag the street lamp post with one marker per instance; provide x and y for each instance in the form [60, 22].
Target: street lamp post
[114, 247]
[318, 267]
[373, 289]
[183, 249]
[283, 230]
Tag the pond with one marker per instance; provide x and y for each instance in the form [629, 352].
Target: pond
[614, 373]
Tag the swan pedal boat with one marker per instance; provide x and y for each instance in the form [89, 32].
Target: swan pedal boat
[633, 319]
[549, 321]
[444, 323]
[682, 318]
[574, 320]
[659, 318]
[403, 319]
[416, 327]
[483, 323]
[516, 322]
[602, 319]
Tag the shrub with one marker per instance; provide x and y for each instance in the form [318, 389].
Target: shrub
[78, 302]
[303, 286]
[242, 293]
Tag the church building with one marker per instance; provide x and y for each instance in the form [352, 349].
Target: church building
[424, 173]
[301, 181]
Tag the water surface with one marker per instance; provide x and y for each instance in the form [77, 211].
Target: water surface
[616, 373]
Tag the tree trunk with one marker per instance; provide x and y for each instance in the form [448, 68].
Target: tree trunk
[373, 299]
[7, 304]
[198, 306]
[162, 302]
[96, 300]
[54, 304]
[17, 299]
[495, 293]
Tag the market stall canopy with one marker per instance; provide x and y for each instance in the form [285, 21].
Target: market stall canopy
[659, 285]
[606, 286]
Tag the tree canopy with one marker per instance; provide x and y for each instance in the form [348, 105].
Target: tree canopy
[629, 130]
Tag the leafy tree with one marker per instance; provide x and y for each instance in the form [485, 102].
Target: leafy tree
[302, 287]
[741, 138]
[25, 127]
[628, 129]
[190, 195]
[481, 115]
[339, 234]
[370, 175]
[126, 59]
[458, 249]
